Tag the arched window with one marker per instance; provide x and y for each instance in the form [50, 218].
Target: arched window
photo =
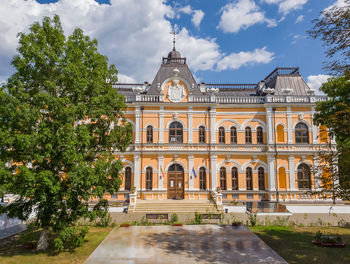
[221, 135]
[233, 135]
[223, 178]
[201, 134]
[301, 133]
[202, 179]
[234, 173]
[149, 134]
[261, 177]
[259, 135]
[248, 135]
[304, 176]
[249, 177]
[127, 178]
[175, 132]
[280, 133]
[149, 177]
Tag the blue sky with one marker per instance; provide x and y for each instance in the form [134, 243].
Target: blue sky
[237, 41]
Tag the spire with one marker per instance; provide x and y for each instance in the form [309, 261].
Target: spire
[174, 34]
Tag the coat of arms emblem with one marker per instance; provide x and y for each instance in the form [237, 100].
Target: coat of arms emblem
[176, 92]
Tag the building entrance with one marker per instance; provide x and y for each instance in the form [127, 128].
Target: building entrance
[176, 182]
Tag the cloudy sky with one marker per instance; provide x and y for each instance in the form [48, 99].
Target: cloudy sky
[225, 41]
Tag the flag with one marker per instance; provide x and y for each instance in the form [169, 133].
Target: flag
[161, 169]
[194, 172]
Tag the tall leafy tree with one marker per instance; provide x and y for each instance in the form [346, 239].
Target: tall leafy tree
[332, 27]
[60, 121]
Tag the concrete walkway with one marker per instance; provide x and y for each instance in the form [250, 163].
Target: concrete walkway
[187, 244]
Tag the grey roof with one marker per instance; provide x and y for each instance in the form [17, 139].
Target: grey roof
[278, 79]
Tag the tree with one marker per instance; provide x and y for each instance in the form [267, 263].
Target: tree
[333, 28]
[60, 122]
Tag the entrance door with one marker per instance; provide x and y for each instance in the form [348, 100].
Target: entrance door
[175, 182]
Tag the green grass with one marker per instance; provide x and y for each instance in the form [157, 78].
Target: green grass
[13, 251]
[294, 244]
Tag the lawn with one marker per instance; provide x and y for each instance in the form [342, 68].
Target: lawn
[12, 251]
[294, 244]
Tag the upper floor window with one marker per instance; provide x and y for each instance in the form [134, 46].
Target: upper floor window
[149, 134]
[202, 179]
[248, 135]
[301, 133]
[149, 176]
[304, 176]
[201, 134]
[221, 135]
[249, 178]
[261, 177]
[175, 132]
[223, 185]
[259, 135]
[127, 178]
[233, 135]
[234, 173]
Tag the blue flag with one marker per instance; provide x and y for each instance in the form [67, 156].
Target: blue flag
[194, 172]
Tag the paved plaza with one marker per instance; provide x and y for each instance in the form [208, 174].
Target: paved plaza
[185, 245]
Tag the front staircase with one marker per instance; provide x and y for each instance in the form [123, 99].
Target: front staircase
[175, 206]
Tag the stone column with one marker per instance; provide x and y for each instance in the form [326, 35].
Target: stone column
[161, 124]
[271, 172]
[289, 125]
[212, 124]
[190, 137]
[160, 175]
[314, 128]
[213, 172]
[269, 125]
[137, 124]
[291, 173]
[317, 173]
[190, 173]
[137, 171]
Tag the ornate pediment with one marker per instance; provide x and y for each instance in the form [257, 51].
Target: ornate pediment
[176, 91]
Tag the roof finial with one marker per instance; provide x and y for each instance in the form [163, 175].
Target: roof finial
[174, 34]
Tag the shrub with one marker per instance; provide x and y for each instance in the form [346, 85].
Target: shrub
[174, 218]
[198, 219]
[252, 219]
[70, 237]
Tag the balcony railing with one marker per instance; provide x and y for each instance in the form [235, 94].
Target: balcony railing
[220, 99]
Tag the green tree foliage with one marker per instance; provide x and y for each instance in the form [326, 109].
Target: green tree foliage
[333, 28]
[60, 121]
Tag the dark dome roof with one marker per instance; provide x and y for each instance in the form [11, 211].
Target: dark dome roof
[174, 54]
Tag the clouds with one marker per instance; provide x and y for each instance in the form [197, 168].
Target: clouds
[197, 15]
[245, 58]
[315, 82]
[287, 6]
[299, 19]
[133, 34]
[241, 15]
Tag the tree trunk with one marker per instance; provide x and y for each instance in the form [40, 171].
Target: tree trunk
[42, 244]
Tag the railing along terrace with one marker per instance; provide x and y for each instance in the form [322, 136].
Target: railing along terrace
[221, 99]
[281, 70]
[174, 60]
[238, 86]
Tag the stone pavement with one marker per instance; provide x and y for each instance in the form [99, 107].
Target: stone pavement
[187, 244]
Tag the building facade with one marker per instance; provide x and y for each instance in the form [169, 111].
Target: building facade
[251, 141]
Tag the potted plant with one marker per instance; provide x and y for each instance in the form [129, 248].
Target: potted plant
[177, 224]
[218, 190]
[133, 189]
[126, 224]
[236, 223]
[328, 240]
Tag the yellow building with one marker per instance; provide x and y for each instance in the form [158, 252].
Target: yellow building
[253, 141]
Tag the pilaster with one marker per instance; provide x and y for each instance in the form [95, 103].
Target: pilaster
[190, 172]
[314, 128]
[212, 124]
[137, 171]
[161, 124]
[291, 173]
[213, 172]
[289, 125]
[137, 124]
[271, 172]
[269, 125]
[160, 175]
[190, 137]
